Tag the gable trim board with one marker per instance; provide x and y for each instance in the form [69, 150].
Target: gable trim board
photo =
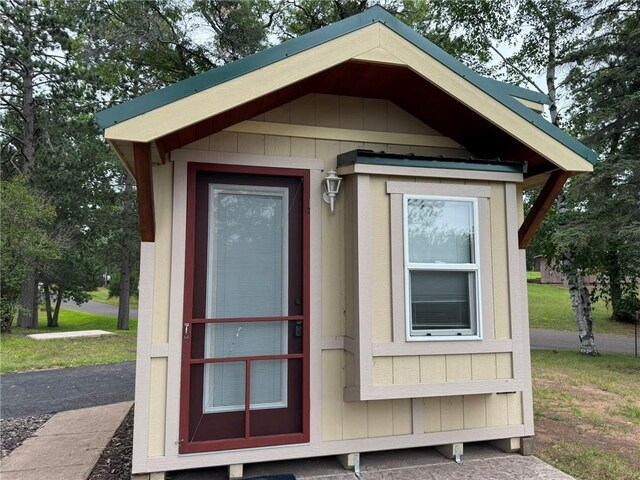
[222, 74]
[375, 30]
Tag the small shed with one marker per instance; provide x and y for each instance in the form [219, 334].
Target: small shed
[279, 319]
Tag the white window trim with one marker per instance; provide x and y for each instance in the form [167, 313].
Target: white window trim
[446, 335]
[282, 192]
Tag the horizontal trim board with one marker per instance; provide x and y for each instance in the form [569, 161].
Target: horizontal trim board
[430, 173]
[332, 343]
[337, 343]
[159, 350]
[342, 134]
[373, 158]
[202, 156]
[421, 390]
[442, 189]
[457, 347]
[213, 459]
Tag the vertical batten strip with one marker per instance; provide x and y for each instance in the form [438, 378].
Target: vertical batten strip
[417, 414]
[363, 283]
[176, 303]
[519, 321]
[143, 360]
[397, 268]
[315, 352]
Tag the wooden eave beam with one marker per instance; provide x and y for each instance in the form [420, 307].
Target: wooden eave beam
[144, 182]
[162, 153]
[543, 203]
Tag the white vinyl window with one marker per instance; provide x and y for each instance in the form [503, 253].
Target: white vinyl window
[247, 276]
[442, 270]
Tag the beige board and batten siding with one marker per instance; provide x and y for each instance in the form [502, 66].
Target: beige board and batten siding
[495, 309]
[405, 365]
[338, 420]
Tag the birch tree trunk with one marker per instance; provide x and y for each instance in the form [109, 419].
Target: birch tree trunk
[580, 299]
[581, 304]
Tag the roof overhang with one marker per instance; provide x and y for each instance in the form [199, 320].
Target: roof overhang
[378, 62]
[370, 55]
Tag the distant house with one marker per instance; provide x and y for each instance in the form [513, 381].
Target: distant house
[273, 325]
[550, 275]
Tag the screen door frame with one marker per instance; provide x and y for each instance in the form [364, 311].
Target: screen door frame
[189, 321]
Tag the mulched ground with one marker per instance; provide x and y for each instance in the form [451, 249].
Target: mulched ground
[14, 431]
[115, 461]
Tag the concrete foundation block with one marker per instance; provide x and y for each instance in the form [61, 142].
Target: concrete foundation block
[508, 445]
[149, 476]
[350, 461]
[528, 445]
[451, 450]
[235, 471]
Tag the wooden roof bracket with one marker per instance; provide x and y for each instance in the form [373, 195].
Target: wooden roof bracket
[543, 203]
[144, 182]
[162, 152]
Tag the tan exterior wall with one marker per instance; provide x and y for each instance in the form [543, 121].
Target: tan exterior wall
[441, 368]
[382, 330]
[340, 420]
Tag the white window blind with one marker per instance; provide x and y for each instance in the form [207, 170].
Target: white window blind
[246, 277]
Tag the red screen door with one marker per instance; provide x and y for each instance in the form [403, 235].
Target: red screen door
[245, 333]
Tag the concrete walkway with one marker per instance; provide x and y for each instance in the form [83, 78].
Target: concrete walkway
[480, 461]
[543, 338]
[67, 447]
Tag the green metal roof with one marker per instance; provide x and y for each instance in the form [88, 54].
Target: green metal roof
[500, 91]
[369, 157]
[525, 94]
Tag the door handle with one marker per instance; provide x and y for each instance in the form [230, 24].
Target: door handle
[298, 329]
[186, 331]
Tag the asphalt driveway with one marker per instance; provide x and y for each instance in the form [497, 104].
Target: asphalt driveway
[49, 391]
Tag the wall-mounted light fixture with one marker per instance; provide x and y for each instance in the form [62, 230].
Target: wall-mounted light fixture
[330, 187]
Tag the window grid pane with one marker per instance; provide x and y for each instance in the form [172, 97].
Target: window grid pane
[442, 300]
[440, 231]
[442, 266]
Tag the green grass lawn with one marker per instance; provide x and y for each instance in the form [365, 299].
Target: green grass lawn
[102, 295]
[533, 275]
[587, 413]
[21, 353]
[550, 307]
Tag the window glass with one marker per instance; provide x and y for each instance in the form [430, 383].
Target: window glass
[246, 277]
[441, 266]
[440, 231]
[441, 300]
[247, 251]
